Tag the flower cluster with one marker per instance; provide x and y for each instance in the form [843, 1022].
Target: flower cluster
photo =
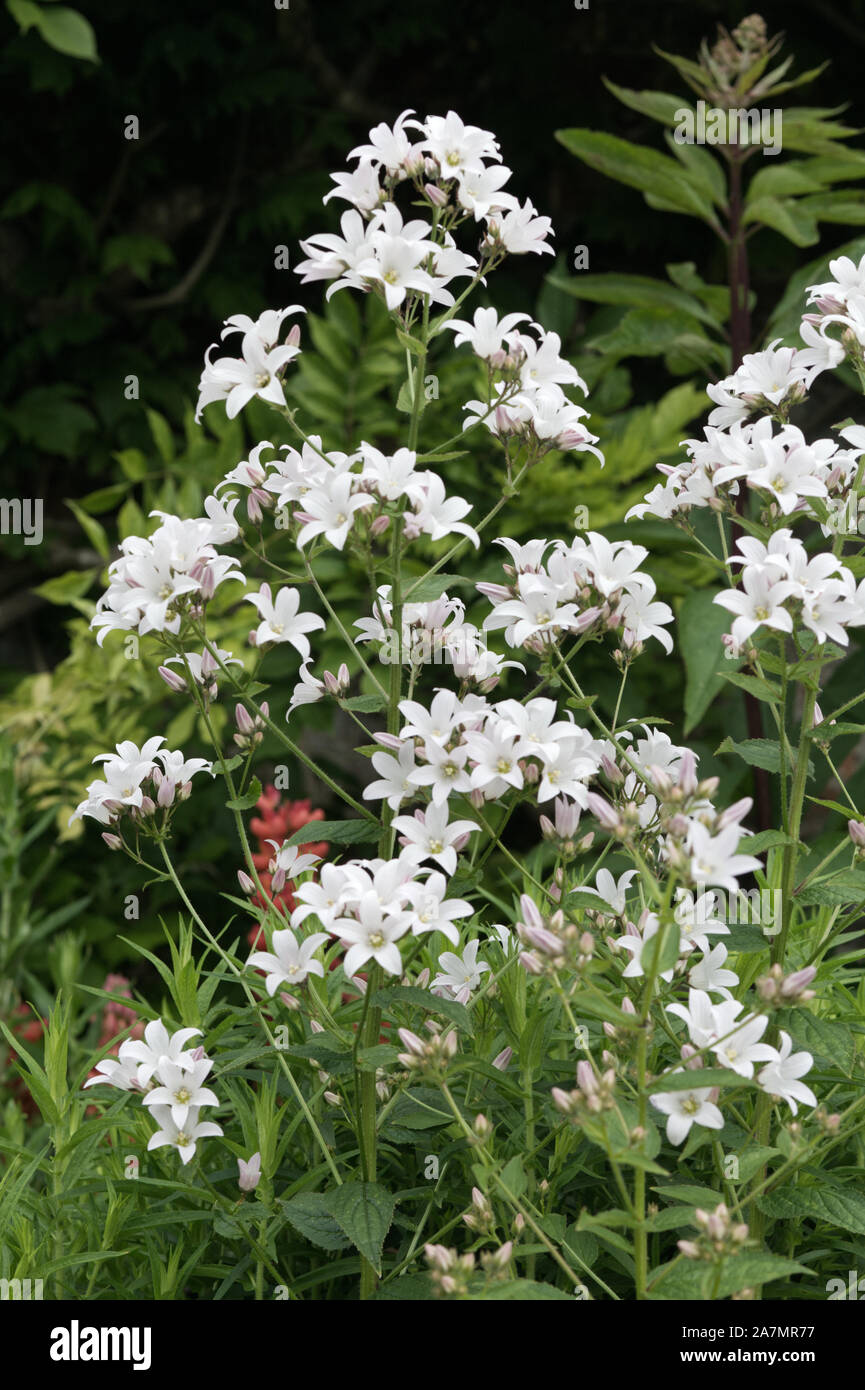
[839, 302]
[170, 1079]
[259, 369]
[781, 583]
[586, 588]
[138, 782]
[176, 570]
[526, 376]
[434, 632]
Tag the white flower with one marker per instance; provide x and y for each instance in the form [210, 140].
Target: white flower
[281, 621]
[237, 379]
[373, 936]
[522, 230]
[184, 1140]
[290, 962]
[686, 1108]
[709, 973]
[610, 891]
[395, 783]
[760, 602]
[181, 1088]
[306, 692]
[781, 1077]
[743, 1048]
[457, 147]
[120, 1071]
[486, 333]
[158, 1043]
[445, 771]
[329, 510]
[430, 912]
[429, 835]
[714, 860]
[459, 976]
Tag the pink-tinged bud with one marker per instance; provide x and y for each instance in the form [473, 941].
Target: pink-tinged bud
[265, 709]
[628, 1007]
[818, 716]
[253, 508]
[246, 883]
[184, 791]
[531, 914]
[796, 984]
[315, 1026]
[208, 583]
[379, 526]
[332, 1098]
[548, 830]
[476, 797]
[293, 337]
[678, 826]
[411, 1040]
[496, 593]
[611, 772]
[530, 963]
[243, 719]
[856, 831]
[165, 795]
[253, 637]
[437, 196]
[148, 806]
[249, 1173]
[586, 1078]
[277, 883]
[461, 841]
[112, 841]
[289, 1000]
[603, 811]
[389, 741]
[688, 773]
[562, 1100]
[174, 681]
[531, 772]
[735, 813]
[555, 893]
[503, 1060]
[689, 1248]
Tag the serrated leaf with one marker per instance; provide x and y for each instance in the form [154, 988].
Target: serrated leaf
[363, 1211]
[845, 1210]
[336, 832]
[309, 1214]
[457, 1013]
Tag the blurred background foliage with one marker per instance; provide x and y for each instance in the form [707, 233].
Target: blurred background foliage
[120, 257]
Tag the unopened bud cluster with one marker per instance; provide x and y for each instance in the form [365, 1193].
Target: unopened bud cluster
[718, 1235]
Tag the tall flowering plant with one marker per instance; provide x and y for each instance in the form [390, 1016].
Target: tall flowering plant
[605, 1087]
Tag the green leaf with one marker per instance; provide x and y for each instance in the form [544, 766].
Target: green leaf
[844, 1209]
[64, 588]
[702, 624]
[767, 839]
[651, 332]
[786, 216]
[759, 752]
[649, 171]
[411, 343]
[162, 436]
[92, 529]
[524, 1290]
[659, 106]
[364, 1212]
[845, 887]
[430, 1003]
[365, 704]
[636, 291]
[310, 1215]
[685, 1279]
[432, 586]
[760, 689]
[336, 832]
[825, 1038]
[68, 32]
[250, 798]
